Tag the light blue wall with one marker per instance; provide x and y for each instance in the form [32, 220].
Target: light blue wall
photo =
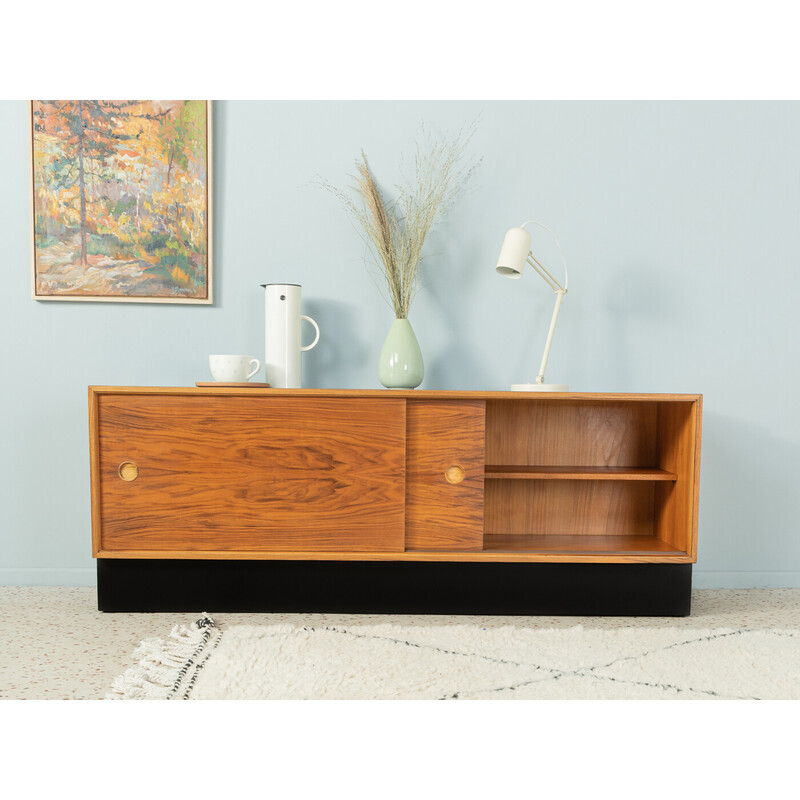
[679, 222]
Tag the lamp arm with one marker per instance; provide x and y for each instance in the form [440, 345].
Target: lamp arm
[555, 286]
[558, 245]
[545, 273]
[559, 298]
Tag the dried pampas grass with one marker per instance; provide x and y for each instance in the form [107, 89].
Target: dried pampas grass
[396, 231]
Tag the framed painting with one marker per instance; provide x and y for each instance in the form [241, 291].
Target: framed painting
[121, 200]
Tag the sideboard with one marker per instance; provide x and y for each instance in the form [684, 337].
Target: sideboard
[389, 501]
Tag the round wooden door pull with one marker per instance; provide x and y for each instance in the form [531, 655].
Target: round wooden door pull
[454, 474]
[128, 471]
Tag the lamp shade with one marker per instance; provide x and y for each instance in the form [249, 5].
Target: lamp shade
[514, 253]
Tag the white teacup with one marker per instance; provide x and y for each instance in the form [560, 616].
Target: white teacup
[233, 369]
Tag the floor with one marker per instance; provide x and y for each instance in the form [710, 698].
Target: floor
[59, 647]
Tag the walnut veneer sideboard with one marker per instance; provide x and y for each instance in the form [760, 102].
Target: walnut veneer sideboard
[226, 499]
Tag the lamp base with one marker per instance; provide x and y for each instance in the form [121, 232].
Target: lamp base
[539, 387]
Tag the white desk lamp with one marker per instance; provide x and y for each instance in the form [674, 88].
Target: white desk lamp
[515, 253]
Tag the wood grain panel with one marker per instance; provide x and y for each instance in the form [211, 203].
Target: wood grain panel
[530, 553]
[94, 470]
[676, 506]
[251, 473]
[621, 545]
[569, 508]
[410, 394]
[442, 515]
[557, 433]
[521, 473]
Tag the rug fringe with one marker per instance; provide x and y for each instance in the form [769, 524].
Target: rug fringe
[162, 664]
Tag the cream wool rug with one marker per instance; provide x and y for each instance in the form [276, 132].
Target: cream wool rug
[462, 662]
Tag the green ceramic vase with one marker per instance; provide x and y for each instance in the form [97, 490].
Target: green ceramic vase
[400, 365]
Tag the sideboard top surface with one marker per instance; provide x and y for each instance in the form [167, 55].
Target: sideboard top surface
[426, 394]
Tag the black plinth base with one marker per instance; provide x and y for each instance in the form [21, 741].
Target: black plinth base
[394, 587]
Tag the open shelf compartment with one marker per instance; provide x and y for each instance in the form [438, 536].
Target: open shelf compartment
[590, 477]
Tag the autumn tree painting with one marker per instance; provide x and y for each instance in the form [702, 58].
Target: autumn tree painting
[121, 199]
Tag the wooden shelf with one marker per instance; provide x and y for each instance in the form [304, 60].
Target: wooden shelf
[606, 544]
[519, 472]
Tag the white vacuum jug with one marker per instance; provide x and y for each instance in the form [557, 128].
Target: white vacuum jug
[282, 344]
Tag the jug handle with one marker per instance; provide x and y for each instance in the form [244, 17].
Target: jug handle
[316, 327]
